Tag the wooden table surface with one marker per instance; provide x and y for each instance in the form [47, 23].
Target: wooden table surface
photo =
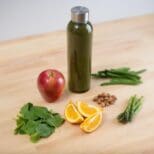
[126, 42]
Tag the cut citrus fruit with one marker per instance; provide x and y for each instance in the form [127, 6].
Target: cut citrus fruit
[72, 115]
[86, 109]
[91, 123]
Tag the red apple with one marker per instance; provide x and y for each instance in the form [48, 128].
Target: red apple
[51, 84]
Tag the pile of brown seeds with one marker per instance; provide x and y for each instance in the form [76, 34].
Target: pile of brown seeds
[105, 99]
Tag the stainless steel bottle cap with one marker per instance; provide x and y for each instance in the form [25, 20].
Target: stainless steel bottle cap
[80, 14]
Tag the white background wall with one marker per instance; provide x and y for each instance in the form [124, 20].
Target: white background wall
[19, 18]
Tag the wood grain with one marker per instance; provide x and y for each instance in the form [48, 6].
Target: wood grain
[127, 42]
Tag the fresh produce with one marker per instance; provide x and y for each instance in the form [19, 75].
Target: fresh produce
[51, 84]
[76, 114]
[133, 107]
[91, 123]
[37, 122]
[105, 99]
[122, 75]
[72, 115]
[86, 109]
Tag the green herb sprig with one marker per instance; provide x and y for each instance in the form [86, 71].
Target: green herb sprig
[37, 121]
[122, 75]
[133, 107]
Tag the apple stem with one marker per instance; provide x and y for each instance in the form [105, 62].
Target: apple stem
[51, 74]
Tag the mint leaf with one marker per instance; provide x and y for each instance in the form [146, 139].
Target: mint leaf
[27, 113]
[30, 127]
[26, 108]
[40, 112]
[55, 120]
[21, 122]
[44, 130]
[35, 137]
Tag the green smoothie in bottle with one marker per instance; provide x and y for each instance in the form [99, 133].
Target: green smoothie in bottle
[79, 46]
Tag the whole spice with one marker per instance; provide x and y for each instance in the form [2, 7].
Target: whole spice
[105, 99]
[133, 107]
[122, 75]
[37, 121]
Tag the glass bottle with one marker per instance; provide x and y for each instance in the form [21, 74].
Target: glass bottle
[79, 46]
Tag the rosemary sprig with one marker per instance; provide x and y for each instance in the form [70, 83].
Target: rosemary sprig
[122, 75]
[133, 107]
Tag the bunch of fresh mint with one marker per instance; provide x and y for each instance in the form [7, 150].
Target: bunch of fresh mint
[37, 121]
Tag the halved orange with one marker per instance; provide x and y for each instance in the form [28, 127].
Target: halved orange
[86, 109]
[91, 123]
[72, 115]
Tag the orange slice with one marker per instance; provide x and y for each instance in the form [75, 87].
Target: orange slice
[91, 123]
[72, 115]
[86, 109]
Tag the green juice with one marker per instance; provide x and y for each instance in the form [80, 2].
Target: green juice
[79, 51]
